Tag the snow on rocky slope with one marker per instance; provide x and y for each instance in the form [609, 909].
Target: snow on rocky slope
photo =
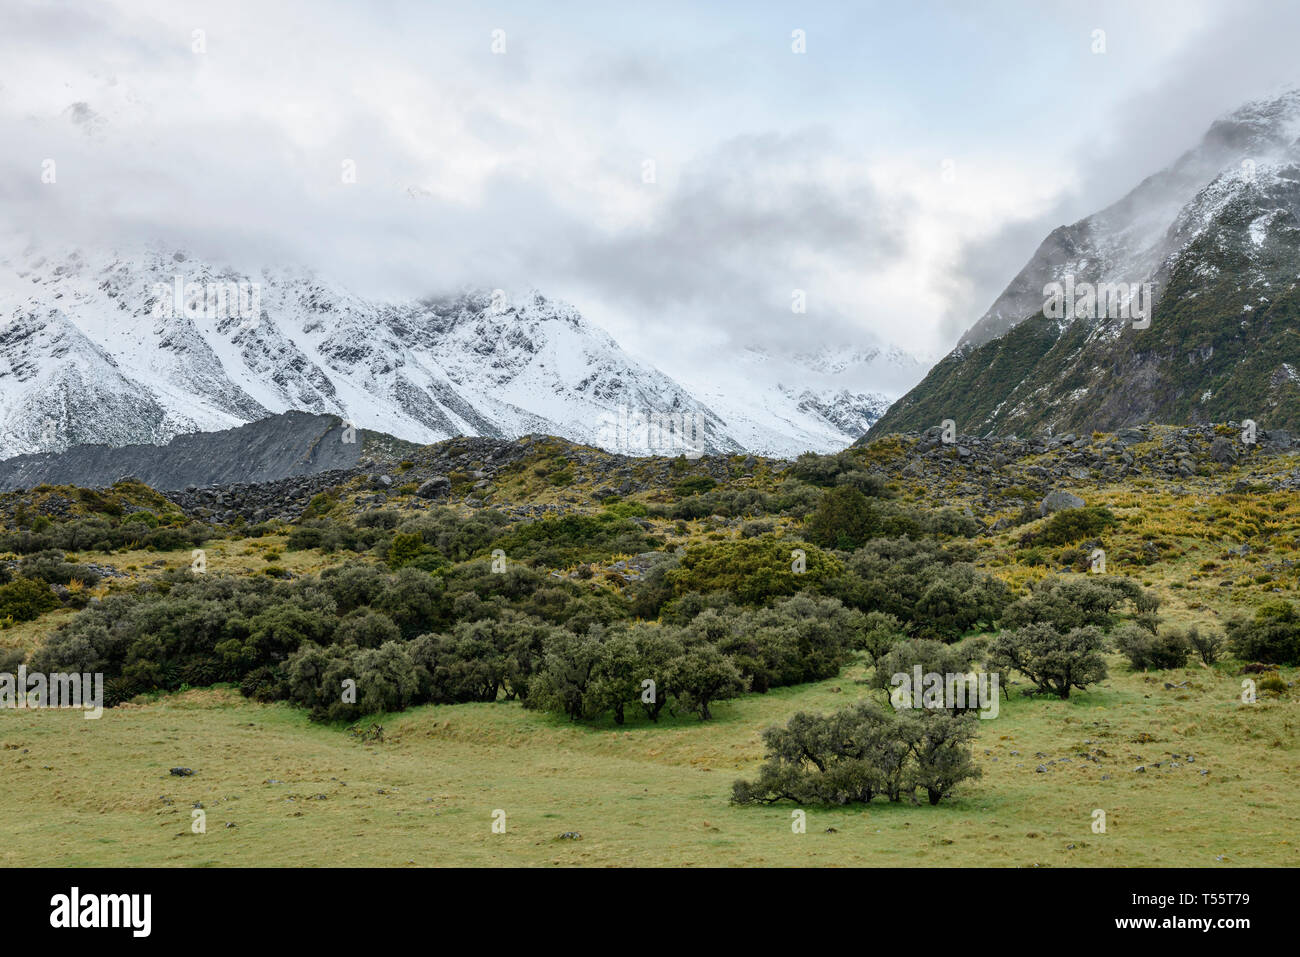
[1133, 240]
[1215, 238]
[141, 347]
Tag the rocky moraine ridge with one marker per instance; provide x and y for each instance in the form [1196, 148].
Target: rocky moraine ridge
[272, 469]
[985, 473]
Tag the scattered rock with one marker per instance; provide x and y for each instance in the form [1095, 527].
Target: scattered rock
[1057, 500]
[436, 487]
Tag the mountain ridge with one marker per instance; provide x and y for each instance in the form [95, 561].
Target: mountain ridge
[281, 446]
[1222, 265]
[98, 349]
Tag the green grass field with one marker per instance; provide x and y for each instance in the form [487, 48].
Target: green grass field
[98, 792]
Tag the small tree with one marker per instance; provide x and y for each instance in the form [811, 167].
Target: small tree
[616, 678]
[567, 671]
[932, 657]
[703, 675]
[1208, 646]
[1167, 649]
[1054, 661]
[845, 519]
[880, 632]
[940, 745]
[1271, 637]
[385, 678]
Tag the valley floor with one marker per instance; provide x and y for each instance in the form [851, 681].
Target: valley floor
[98, 792]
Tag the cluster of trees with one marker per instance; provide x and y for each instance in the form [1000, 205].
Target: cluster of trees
[434, 539]
[842, 503]
[868, 749]
[607, 672]
[469, 634]
[723, 617]
[1056, 635]
[474, 661]
[429, 619]
[718, 654]
[1171, 647]
[1158, 650]
[860, 752]
[929, 589]
[196, 630]
[1068, 603]
[933, 589]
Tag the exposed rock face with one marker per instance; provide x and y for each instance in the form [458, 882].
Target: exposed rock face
[1223, 451]
[295, 443]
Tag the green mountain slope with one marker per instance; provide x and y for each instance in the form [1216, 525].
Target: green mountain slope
[1223, 343]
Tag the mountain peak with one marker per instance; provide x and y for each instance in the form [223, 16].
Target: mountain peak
[1275, 117]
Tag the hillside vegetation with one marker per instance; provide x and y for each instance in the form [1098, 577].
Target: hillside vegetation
[499, 621]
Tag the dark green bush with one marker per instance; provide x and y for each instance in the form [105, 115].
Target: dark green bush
[25, 600]
[1169, 648]
[1272, 636]
[1072, 525]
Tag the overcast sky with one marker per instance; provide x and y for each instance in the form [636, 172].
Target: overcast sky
[899, 171]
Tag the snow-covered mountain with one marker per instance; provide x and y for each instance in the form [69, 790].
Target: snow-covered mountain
[120, 349]
[781, 404]
[1215, 238]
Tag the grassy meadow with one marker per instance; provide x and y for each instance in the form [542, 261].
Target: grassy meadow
[98, 792]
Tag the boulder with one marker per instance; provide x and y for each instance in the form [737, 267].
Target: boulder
[1223, 451]
[435, 487]
[1057, 501]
